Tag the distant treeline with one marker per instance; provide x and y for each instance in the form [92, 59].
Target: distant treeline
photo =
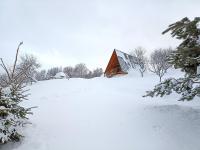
[79, 71]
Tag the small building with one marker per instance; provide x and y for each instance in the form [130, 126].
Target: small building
[119, 63]
[61, 75]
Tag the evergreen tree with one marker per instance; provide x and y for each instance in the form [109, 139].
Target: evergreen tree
[13, 116]
[186, 57]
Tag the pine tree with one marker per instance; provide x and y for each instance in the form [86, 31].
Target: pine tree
[186, 57]
[13, 116]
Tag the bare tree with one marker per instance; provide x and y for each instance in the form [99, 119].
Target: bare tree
[41, 75]
[158, 62]
[29, 65]
[140, 59]
[97, 72]
[89, 75]
[80, 70]
[69, 71]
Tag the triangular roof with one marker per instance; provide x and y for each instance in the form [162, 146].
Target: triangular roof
[119, 63]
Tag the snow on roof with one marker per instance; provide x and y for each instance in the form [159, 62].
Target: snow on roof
[126, 61]
[60, 74]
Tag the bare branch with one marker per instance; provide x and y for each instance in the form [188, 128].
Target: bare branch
[5, 68]
[15, 63]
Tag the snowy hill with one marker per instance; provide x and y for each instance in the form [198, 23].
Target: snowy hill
[108, 114]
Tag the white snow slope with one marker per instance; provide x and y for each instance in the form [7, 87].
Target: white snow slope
[108, 114]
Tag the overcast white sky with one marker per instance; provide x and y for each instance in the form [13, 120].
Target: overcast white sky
[66, 32]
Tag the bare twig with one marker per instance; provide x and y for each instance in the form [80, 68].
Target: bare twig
[16, 59]
[21, 73]
[5, 68]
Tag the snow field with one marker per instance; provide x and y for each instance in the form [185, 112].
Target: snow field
[109, 114]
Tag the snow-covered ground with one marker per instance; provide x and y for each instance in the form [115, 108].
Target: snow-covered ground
[108, 114]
